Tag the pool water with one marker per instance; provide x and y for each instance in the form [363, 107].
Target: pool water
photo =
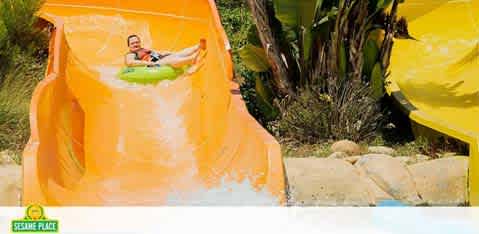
[390, 203]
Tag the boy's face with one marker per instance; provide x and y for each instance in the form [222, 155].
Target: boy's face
[134, 44]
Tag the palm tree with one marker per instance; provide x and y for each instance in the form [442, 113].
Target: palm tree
[315, 44]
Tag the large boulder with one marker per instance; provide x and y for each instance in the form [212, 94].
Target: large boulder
[326, 182]
[375, 191]
[338, 155]
[391, 176]
[419, 158]
[406, 160]
[442, 182]
[381, 150]
[352, 159]
[346, 146]
[10, 185]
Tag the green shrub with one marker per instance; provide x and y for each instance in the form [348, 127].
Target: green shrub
[346, 113]
[305, 118]
[19, 20]
[14, 122]
[328, 65]
[15, 93]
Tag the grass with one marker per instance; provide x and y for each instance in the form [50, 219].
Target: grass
[300, 150]
[412, 148]
[409, 148]
[15, 94]
[419, 146]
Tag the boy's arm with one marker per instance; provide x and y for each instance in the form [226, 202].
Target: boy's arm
[132, 62]
[165, 52]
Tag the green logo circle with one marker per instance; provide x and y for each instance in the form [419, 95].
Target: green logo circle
[35, 212]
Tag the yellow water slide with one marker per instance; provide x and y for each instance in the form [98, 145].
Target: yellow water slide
[436, 77]
[99, 141]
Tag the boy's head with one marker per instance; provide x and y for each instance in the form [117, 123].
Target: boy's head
[134, 43]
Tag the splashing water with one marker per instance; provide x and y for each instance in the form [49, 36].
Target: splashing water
[172, 131]
[227, 194]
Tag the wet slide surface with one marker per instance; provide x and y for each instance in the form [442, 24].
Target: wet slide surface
[436, 78]
[97, 140]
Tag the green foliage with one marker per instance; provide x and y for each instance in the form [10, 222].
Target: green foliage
[19, 20]
[5, 52]
[254, 58]
[296, 149]
[419, 146]
[15, 94]
[310, 34]
[371, 56]
[306, 118]
[23, 50]
[253, 38]
[335, 61]
[343, 61]
[264, 98]
[295, 14]
[298, 17]
[381, 4]
[347, 113]
[377, 82]
[236, 21]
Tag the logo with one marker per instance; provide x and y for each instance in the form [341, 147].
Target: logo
[35, 221]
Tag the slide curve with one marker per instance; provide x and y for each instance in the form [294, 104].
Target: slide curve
[436, 77]
[99, 141]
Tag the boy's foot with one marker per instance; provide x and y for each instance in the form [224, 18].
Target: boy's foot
[203, 44]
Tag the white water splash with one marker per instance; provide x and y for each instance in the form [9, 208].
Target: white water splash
[167, 125]
[227, 194]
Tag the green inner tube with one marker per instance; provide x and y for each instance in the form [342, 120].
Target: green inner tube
[150, 75]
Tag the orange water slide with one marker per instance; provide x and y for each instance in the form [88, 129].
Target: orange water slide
[99, 141]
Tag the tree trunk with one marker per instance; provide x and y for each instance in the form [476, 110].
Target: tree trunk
[358, 36]
[259, 10]
[389, 37]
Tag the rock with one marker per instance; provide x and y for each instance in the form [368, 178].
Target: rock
[442, 182]
[352, 159]
[448, 154]
[405, 160]
[346, 146]
[10, 185]
[6, 158]
[338, 155]
[326, 182]
[421, 158]
[381, 150]
[374, 189]
[391, 176]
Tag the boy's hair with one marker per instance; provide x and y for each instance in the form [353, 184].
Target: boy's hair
[130, 37]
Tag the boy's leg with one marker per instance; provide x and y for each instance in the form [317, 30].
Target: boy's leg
[177, 61]
[188, 51]
[191, 70]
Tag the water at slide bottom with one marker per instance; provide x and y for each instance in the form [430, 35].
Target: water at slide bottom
[390, 203]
